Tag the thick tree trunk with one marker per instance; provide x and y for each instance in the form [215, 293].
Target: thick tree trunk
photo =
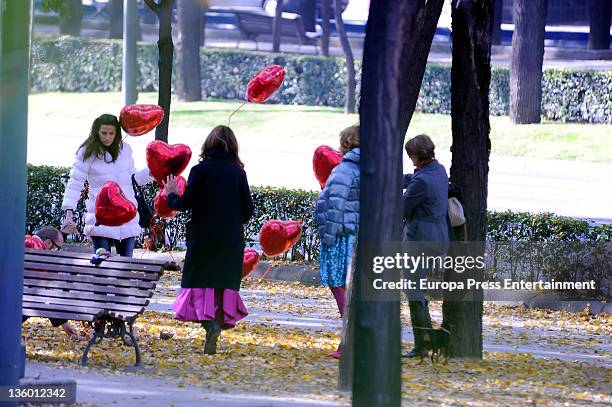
[396, 35]
[166, 53]
[276, 29]
[71, 18]
[188, 53]
[349, 101]
[498, 12]
[470, 78]
[15, 27]
[599, 12]
[115, 19]
[325, 27]
[527, 58]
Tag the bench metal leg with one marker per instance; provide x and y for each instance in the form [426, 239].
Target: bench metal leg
[130, 333]
[97, 338]
[116, 329]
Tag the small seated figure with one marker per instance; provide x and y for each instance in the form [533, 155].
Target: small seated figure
[50, 238]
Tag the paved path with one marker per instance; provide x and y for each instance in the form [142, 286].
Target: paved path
[320, 314]
[570, 188]
[114, 390]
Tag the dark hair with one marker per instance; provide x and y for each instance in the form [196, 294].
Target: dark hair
[222, 137]
[420, 147]
[93, 145]
[51, 233]
[349, 138]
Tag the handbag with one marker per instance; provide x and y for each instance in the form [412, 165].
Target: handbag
[455, 212]
[144, 210]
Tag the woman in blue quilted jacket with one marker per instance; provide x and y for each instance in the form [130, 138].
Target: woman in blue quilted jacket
[337, 218]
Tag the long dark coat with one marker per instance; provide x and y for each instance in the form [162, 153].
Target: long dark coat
[218, 194]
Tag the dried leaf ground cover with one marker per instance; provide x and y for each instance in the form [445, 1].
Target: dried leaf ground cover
[263, 356]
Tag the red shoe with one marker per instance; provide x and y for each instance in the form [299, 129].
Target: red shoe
[335, 354]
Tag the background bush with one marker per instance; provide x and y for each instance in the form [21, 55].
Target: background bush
[519, 244]
[87, 65]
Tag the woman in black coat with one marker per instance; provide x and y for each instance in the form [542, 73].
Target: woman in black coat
[218, 194]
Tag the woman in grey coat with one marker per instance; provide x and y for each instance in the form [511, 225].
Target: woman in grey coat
[337, 218]
[425, 221]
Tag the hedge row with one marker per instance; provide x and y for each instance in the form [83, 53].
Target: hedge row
[46, 189]
[86, 65]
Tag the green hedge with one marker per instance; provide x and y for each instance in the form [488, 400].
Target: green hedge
[46, 189]
[85, 65]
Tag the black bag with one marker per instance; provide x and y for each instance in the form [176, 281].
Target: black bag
[144, 210]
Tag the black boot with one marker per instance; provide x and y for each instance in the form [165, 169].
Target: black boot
[213, 330]
[419, 317]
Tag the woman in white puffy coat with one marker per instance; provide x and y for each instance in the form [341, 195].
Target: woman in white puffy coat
[104, 157]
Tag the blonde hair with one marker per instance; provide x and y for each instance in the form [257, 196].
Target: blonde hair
[349, 139]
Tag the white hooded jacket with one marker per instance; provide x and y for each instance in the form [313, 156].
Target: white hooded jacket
[98, 171]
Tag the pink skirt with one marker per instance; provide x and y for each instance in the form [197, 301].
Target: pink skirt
[223, 305]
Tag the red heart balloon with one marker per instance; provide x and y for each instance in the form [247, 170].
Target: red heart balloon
[161, 199]
[164, 159]
[137, 120]
[249, 261]
[112, 207]
[273, 238]
[276, 237]
[324, 161]
[34, 242]
[294, 232]
[265, 83]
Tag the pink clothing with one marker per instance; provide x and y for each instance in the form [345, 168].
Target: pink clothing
[340, 296]
[206, 304]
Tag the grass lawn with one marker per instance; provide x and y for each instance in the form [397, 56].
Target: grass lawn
[550, 140]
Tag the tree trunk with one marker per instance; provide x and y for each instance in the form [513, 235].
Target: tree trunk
[71, 18]
[15, 27]
[188, 53]
[115, 19]
[498, 12]
[397, 33]
[166, 53]
[308, 15]
[325, 27]
[599, 12]
[472, 22]
[276, 29]
[351, 83]
[527, 58]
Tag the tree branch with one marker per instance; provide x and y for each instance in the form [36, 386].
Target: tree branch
[153, 6]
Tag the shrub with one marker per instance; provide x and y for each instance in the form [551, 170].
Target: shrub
[86, 65]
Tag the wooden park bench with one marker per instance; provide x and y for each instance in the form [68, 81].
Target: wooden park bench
[252, 25]
[65, 285]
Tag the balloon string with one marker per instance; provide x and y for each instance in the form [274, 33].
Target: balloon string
[234, 112]
[265, 273]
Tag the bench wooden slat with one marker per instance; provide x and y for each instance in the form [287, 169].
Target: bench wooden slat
[116, 265]
[31, 265]
[81, 303]
[66, 308]
[59, 315]
[87, 256]
[131, 292]
[45, 292]
[44, 275]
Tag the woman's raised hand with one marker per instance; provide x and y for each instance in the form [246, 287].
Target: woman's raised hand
[170, 185]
